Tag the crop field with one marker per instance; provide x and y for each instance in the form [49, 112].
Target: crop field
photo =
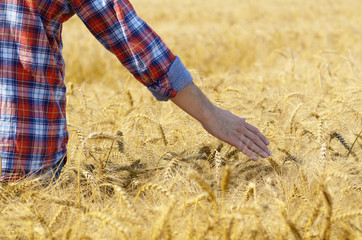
[142, 169]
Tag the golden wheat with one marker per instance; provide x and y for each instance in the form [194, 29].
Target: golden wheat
[139, 169]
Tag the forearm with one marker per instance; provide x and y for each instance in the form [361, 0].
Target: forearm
[192, 100]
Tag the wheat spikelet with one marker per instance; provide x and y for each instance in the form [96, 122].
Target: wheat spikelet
[207, 189]
[152, 140]
[5, 194]
[323, 152]
[147, 118]
[24, 184]
[162, 131]
[341, 100]
[197, 199]
[355, 188]
[294, 230]
[120, 142]
[295, 94]
[168, 173]
[163, 221]
[80, 137]
[275, 165]
[232, 153]
[230, 89]
[111, 221]
[124, 198]
[308, 133]
[341, 140]
[225, 179]
[77, 131]
[249, 192]
[42, 221]
[289, 223]
[56, 216]
[180, 135]
[100, 135]
[343, 216]
[90, 178]
[291, 121]
[228, 228]
[315, 213]
[218, 162]
[320, 131]
[338, 174]
[84, 101]
[64, 202]
[130, 98]
[154, 187]
[163, 135]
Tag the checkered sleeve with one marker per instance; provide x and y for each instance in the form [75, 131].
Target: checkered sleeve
[119, 29]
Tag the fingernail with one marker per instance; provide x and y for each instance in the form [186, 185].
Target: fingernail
[269, 152]
[267, 142]
[255, 158]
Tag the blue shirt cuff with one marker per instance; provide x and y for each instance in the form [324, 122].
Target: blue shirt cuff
[179, 78]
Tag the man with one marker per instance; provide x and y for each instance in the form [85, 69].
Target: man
[33, 134]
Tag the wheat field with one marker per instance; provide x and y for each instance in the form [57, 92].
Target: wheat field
[142, 169]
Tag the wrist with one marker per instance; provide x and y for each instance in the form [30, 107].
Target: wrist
[209, 113]
[194, 102]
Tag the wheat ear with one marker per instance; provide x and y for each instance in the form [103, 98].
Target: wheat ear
[207, 189]
[111, 221]
[249, 192]
[163, 222]
[151, 186]
[346, 215]
[123, 198]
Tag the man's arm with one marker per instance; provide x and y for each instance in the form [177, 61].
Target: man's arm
[116, 25]
[221, 123]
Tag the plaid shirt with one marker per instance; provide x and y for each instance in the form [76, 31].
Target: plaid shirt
[33, 134]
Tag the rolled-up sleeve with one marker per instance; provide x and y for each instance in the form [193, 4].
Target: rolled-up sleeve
[120, 30]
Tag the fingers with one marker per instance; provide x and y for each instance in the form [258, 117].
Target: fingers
[244, 149]
[255, 131]
[252, 141]
[254, 147]
[255, 143]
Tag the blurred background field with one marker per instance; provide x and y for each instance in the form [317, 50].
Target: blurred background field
[142, 169]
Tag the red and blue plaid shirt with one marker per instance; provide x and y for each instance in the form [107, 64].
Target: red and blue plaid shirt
[33, 133]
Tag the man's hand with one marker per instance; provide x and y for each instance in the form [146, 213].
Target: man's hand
[222, 124]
